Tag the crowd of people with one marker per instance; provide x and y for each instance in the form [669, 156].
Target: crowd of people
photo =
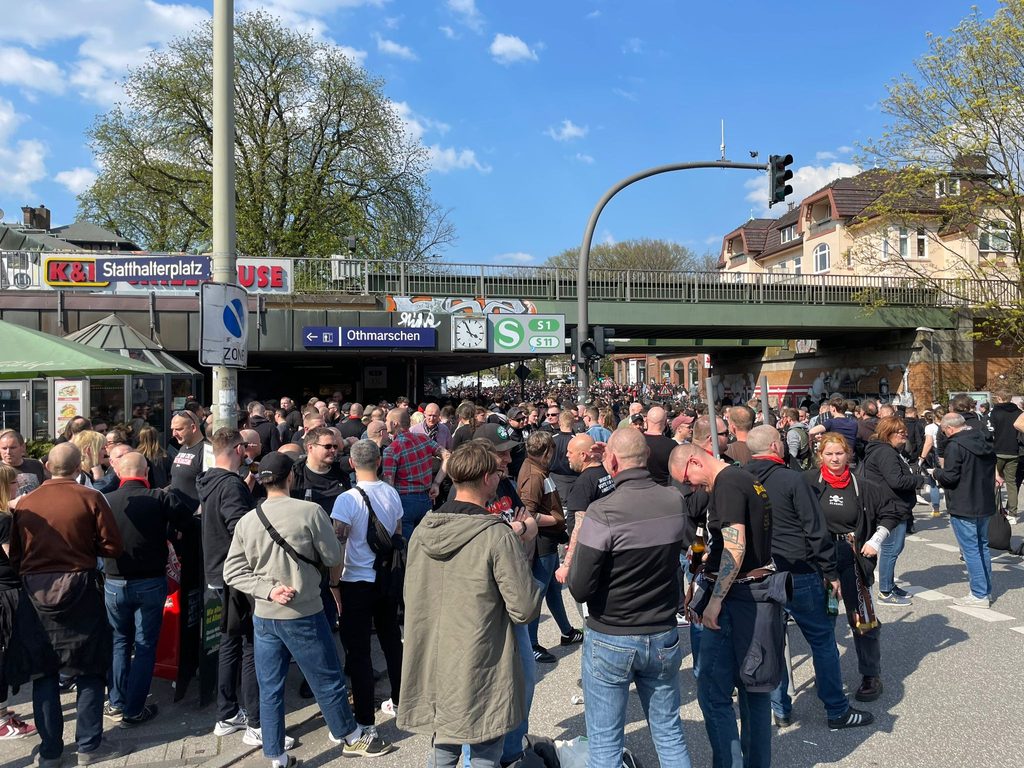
[446, 527]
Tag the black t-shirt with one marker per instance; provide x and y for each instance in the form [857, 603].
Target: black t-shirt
[186, 469]
[560, 461]
[592, 484]
[324, 487]
[8, 576]
[352, 428]
[657, 464]
[840, 506]
[31, 475]
[737, 497]
[461, 435]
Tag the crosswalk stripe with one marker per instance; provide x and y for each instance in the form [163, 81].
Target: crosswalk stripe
[928, 594]
[943, 547]
[1017, 629]
[985, 614]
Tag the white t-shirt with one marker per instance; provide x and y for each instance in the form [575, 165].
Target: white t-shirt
[351, 509]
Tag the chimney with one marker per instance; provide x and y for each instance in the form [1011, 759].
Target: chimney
[36, 218]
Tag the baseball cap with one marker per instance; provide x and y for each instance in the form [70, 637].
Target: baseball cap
[498, 435]
[637, 418]
[680, 420]
[516, 413]
[275, 467]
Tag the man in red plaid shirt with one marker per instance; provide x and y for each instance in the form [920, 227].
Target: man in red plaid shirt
[409, 467]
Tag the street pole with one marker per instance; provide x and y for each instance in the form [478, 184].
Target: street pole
[582, 317]
[225, 380]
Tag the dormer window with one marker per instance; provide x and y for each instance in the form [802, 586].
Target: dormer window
[787, 234]
[947, 187]
[995, 237]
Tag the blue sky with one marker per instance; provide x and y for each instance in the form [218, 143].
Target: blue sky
[530, 110]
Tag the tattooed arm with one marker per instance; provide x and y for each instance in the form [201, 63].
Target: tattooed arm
[734, 547]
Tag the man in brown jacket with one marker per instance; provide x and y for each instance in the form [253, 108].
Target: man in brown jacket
[58, 532]
[462, 679]
[539, 494]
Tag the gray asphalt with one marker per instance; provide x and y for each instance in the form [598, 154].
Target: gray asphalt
[952, 690]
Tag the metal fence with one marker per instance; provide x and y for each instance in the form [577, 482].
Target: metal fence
[554, 283]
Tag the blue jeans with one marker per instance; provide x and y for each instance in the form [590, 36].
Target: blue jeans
[544, 567]
[887, 555]
[309, 641]
[414, 508]
[484, 755]
[610, 664]
[49, 714]
[807, 608]
[513, 746]
[135, 610]
[972, 536]
[719, 675]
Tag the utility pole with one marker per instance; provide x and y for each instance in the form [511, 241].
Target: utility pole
[582, 315]
[225, 379]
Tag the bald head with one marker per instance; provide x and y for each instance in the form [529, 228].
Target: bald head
[656, 418]
[627, 449]
[579, 452]
[132, 464]
[65, 460]
[764, 440]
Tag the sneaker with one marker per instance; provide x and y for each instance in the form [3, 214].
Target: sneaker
[13, 727]
[870, 689]
[970, 601]
[389, 708]
[681, 620]
[148, 713]
[67, 684]
[854, 718]
[368, 745]
[112, 713]
[254, 738]
[236, 723]
[572, 638]
[891, 598]
[50, 762]
[541, 655]
[290, 761]
[936, 512]
[105, 751]
[782, 721]
[899, 591]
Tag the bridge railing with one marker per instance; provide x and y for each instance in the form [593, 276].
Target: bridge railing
[557, 283]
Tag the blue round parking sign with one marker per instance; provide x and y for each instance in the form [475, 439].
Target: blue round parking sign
[234, 318]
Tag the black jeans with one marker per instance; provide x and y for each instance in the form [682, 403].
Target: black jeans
[49, 714]
[868, 646]
[235, 661]
[361, 603]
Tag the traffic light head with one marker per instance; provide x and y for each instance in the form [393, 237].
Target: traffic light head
[588, 351]
[779, 176]
[602, 335]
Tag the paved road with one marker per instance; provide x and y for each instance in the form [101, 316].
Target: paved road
[952, 696]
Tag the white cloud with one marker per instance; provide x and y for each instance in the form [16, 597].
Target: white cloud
[22, 163]
[516, 257]
[391, 48]
[806, 179]
[608, 238]
[417, 125]
[355, 54]
[392, 22]
[633, 45]
[467, 13]
[628, 95]
[18, 67]
[593, 15]
[567, 131]
[584, 158]
[825, 156]
[844, 150]
[77, 180]
[508, 49]
[449, 33]
[445, 159]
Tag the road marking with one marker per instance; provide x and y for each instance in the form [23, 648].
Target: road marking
[918, 537]
[985, 614]
[928, 594]
[1017, 629]
[944, 547]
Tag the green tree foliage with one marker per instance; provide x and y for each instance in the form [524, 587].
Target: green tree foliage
[643, 254]
[320, 153]
[951, 162]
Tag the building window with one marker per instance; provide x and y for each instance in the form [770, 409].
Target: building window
[787, 234]
[694, 375]
[782, 266]
[797, 265]
[948, 187]
[995, 237]
[821, 258]
[824, 213]
[921, 251]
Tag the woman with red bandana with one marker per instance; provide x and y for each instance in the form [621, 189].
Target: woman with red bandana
[859, 516]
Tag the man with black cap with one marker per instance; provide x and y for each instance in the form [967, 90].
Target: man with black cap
[276, 555]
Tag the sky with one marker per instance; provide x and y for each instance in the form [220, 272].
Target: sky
[529, 110]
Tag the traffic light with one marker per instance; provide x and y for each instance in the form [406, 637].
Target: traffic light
[602, 336]
[779, 176]
[574, 348]
[588, 351]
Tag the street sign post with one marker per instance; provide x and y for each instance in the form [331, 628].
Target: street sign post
[526, 334]
[224, 319]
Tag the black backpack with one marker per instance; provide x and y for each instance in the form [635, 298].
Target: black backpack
[389, 551]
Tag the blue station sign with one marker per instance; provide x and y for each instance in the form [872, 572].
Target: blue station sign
[321, 336]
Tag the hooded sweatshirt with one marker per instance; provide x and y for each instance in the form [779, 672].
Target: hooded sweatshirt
[884, 464]
[225, 498]
[466, 583]
[968, 474]
[1003, 416]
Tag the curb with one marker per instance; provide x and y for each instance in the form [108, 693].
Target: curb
[292, 721]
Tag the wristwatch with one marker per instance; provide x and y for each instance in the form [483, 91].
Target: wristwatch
[335, 585]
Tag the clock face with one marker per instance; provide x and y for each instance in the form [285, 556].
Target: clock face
[470, 333]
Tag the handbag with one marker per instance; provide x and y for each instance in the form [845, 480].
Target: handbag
[389, 551]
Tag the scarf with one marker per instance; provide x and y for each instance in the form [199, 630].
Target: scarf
[770, 457]
[836, 481]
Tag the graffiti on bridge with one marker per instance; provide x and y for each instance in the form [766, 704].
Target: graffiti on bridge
[417, 306]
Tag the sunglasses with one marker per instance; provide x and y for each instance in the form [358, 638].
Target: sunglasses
[189, 415]
[327, 446]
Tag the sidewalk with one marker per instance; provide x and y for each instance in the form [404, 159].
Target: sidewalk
[181, 734]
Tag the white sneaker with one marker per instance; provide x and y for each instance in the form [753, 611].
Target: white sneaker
[389, 708]
[236, 723]
[970, 601]
[254, 738]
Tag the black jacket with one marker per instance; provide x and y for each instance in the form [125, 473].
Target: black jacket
[865, 428]
[968, 474]
[1003, 416]
[800, 539]
[144, 517]
[270, 438]
[884, 465]
[225, 499]
[875, 507]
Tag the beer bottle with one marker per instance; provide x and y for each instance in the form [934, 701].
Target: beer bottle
[697, 549]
